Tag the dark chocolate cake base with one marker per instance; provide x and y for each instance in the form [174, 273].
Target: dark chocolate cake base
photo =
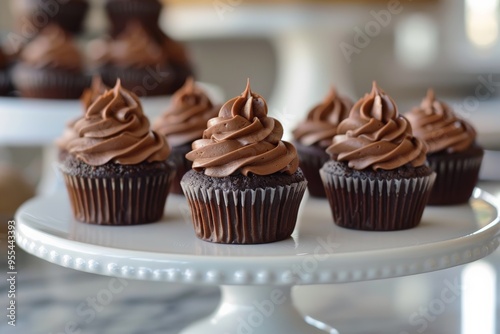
[244, 209]
[114, 194]
[377, 200]
[182, 166]
[312, 158]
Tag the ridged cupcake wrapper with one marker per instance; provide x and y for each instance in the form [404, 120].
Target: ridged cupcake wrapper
[455, 180]
[377, 205]
[251, 216]
[118, 201]
[49, 83]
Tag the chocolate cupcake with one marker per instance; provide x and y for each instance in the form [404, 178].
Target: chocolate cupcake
[121, 12]
[182, 123]
[50, 66]
[36, 14]
[377, 178]
[139, 61]
[453, 152]
[116, 169]
[315, 134]
[245, 186]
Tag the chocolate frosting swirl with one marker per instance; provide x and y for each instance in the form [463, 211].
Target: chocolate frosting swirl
[186, 118]
[52, 48]
[376, 136]
[88, 97]
[91, 94]
[243, 139]
[321, 123]
[439, 127]
[134, 47]
[116, 130]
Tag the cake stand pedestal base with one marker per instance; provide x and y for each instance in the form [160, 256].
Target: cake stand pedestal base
[257, 309]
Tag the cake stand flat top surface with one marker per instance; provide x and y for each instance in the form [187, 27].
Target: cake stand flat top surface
[318, 251]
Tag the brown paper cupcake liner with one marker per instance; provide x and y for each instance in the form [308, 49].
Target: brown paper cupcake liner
[455, 180]
[377, 205]
[312, 158]
[118, 201]
[251, 216]
[49, 84]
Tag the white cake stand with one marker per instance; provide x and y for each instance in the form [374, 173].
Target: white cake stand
[256, 279]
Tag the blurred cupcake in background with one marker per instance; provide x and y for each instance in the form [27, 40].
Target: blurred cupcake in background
[138, 60]
[184, 122]
[50, 66]
[121, 12]
[34, 15]
[313, 136]
[453, 152]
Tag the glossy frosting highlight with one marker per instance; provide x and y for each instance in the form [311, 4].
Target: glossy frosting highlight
[186, 118]
[52, 48]
[439, 127]
[321, 123]
[116, 130]
[243, 139]
[376, 136]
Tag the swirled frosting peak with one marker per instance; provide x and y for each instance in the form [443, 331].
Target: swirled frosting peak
[134, 47]
[322, 121]
[96, 89]
[376, 136]
[439, 127]
[116, 130]
[52, 48]
[186, 118]
[243, 139]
